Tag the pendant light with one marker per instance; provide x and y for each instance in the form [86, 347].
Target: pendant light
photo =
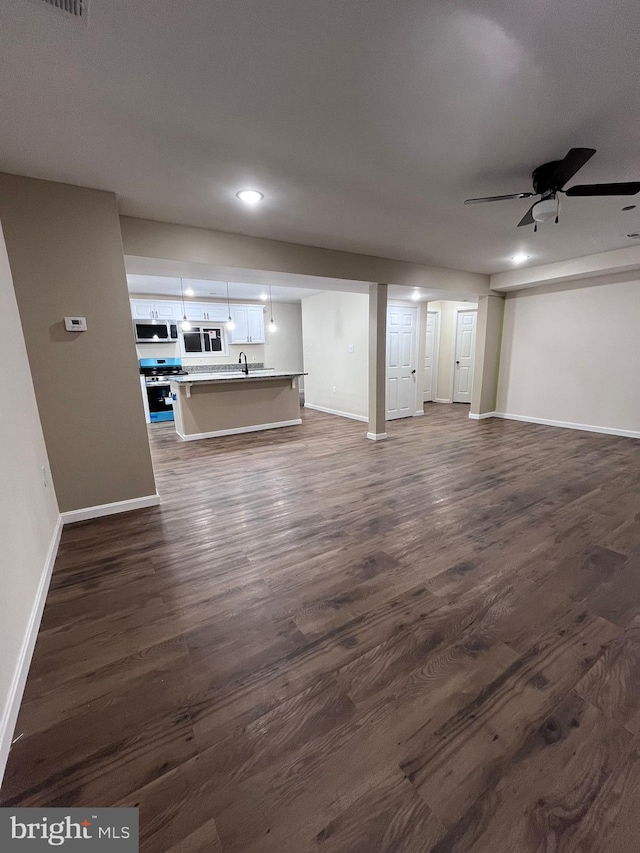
[272, 325]
[185, 325]
[230, 324]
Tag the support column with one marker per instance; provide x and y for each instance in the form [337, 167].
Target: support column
[487, 357]
[377, 360]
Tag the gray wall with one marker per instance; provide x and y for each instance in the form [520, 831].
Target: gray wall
[65, 251]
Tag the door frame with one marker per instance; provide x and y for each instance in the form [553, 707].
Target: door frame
[457, 311]
[405, 303]
[436, 354]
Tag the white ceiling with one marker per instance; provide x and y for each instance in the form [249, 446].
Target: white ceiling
[365, 124]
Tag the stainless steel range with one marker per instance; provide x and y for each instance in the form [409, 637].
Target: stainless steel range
[155, 376]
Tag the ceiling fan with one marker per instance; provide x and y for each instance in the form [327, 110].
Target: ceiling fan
[549, 180]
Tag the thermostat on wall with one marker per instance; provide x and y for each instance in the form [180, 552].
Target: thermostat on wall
[75, 324]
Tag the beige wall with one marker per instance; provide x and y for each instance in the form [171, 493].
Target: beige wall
[148, 239]
[571, 355]
[65, 252]
[283, 348]
[446, 311]
[28, 508]
[337, 379]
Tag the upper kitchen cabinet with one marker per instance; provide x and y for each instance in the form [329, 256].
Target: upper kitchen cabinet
[205, 311]
[248, 324]
[147, 309]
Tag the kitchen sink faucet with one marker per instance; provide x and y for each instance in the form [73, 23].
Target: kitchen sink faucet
[245, 369]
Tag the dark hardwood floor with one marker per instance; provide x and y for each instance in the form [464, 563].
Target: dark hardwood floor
[321, 643]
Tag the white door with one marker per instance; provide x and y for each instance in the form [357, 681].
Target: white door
[430, 357]
[401, 362]
[465, 348]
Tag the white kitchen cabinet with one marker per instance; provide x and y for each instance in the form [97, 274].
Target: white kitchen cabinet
[255, 318]
[205, 311]
[148, 309]
[168, 310]
[240, 332]
[195, 311]
[248, 324]
[142, 309]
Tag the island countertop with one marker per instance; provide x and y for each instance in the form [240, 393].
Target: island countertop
[235, 376]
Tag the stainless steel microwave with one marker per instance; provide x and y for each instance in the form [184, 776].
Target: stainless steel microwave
[155, 331]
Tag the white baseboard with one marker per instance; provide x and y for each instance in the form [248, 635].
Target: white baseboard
[337, 412]
[109, 509]
[14, 699]
[376, 436]
[418, 413]
[482, 416]
[440, 400]
[196, 436]
[627, 433]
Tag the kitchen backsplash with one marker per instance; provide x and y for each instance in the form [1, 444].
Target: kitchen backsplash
[255, 354]
[219, 368]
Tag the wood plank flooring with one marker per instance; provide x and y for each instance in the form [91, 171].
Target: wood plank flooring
[321, 643]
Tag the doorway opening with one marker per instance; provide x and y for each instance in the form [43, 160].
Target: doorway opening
[449, 349]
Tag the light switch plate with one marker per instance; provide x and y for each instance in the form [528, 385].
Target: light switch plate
[75, 324]
[351, 348]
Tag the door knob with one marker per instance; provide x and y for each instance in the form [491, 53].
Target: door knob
[412, 372]
[457, 362]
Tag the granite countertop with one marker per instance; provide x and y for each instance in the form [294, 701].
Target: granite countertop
[235, 376]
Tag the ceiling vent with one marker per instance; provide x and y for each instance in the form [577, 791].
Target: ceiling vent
[75, 8]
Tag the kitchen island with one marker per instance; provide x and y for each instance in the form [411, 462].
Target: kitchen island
[207, 405]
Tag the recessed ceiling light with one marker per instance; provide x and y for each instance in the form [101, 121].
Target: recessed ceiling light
[264, 297]
[189, 291]
[415, 295]
[250, 196]
[520, 258]
[629, 207]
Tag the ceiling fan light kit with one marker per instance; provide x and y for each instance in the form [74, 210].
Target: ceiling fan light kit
[550, 179]
[545, 209]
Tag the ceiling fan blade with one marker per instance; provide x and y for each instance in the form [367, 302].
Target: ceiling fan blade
[528, 219]
[628, 188]
[498, 198]
[572, 163]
